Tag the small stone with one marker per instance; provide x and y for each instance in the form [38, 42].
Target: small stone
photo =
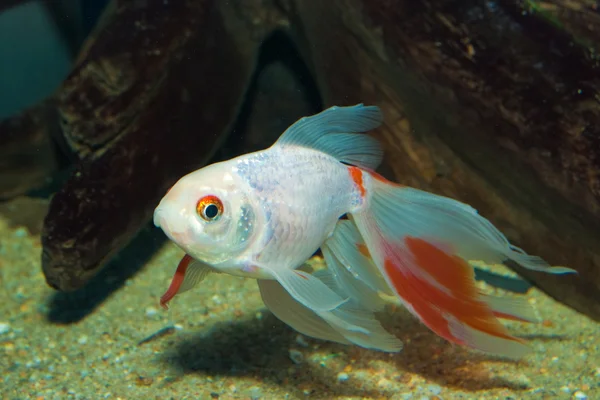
[255, 393]
[144, 381]
[342, 377]
[4, 328]
[565, 389]
[580, 395]
[523, 380]
[300, 340]
[384, 383]
[20, 232]
[151, 311]
[296, 356]
[402, 396]
[434, 389]
[82, 339]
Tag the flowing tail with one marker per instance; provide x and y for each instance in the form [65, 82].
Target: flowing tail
[421, 243]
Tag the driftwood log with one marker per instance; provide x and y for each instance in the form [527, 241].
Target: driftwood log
[486, 102]
[153, 94]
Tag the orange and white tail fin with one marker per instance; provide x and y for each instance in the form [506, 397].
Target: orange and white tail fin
[421, 243]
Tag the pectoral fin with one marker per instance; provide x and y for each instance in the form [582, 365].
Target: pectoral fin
[189, 273]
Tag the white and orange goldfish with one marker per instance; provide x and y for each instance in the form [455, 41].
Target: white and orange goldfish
[263, 215]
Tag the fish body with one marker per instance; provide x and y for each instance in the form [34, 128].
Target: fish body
[291, 200]
[263, 215]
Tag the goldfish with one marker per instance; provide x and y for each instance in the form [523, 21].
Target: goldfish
[262, 215]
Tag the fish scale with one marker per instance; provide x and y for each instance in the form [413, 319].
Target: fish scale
[289, 182]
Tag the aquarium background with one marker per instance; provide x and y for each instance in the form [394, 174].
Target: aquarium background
[110, 339]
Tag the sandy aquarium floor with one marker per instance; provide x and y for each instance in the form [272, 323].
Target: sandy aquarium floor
[219, 342]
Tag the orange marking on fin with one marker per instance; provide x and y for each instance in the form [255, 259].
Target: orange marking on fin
[381, 178]
[356, 175]
[458, 276]
[176, 281]
[364, 250]
[300, 275]
[432, 303]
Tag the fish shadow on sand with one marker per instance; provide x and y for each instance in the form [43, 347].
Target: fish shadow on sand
[261, 349]
[72, 307]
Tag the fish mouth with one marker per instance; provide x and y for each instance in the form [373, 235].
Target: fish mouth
[157, 218]
[160, 222]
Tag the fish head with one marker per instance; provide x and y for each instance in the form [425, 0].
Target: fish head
[209, 214]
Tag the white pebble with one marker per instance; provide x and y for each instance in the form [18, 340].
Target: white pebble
[82, 339]
[4, 328]
[151, 311]
[342, 377]
[565, 389]
[580, 395]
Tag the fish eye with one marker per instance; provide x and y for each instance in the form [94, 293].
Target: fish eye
[209, 208]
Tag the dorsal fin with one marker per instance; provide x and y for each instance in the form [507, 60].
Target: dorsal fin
[335, 131]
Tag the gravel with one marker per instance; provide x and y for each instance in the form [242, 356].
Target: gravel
[219, 342]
